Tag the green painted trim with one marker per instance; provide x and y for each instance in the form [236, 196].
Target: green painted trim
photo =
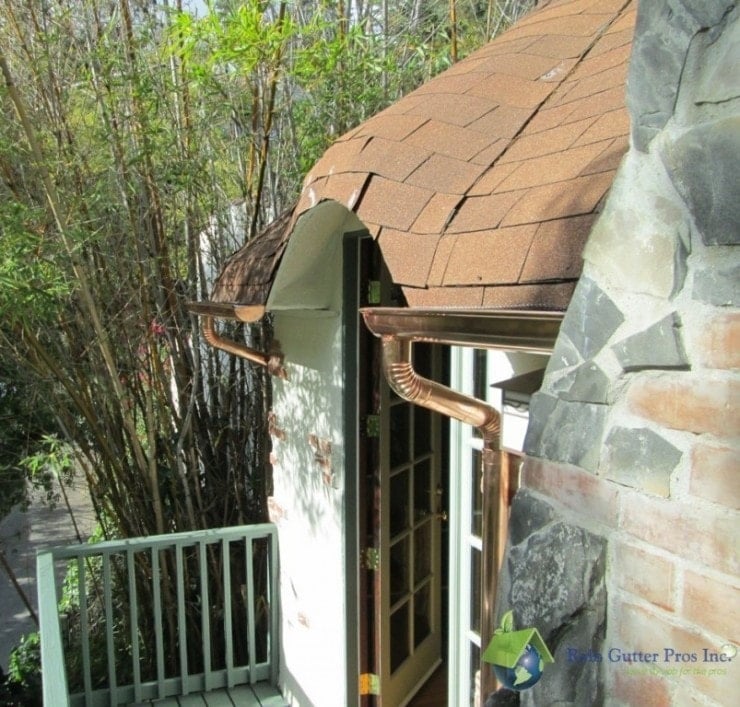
[350, 331]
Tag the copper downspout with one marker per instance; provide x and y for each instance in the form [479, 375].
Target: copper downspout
[273, 363]
[404, 380]
[409, 385]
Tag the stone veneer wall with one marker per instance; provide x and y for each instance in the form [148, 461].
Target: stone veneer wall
[624, 535]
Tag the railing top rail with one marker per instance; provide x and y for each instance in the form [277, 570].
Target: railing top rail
[255, 531]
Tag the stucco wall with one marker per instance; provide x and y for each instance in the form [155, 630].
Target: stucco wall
[306, 426]
[623, 546]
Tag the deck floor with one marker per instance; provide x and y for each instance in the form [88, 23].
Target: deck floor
[258, 695]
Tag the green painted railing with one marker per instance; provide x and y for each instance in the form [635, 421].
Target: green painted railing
[210, 623]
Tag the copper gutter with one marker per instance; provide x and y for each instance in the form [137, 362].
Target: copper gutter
[512, 330]
[399, 327]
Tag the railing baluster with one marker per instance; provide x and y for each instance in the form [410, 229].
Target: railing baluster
[109, 621]
[159, 641]
[55, 689]
[133, 613]
[228, 637]
[205, 605]
[251, 624]
[97, 564]
[182, 627]
[84, 629]
[272, 599]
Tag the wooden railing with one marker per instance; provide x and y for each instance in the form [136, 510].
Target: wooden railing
[159, 616]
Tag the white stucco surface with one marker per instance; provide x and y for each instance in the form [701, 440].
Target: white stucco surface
[308, 472]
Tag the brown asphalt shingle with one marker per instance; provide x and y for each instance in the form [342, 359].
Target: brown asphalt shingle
[482, 185]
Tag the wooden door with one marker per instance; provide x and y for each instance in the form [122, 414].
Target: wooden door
[410, 543]
[400, 534]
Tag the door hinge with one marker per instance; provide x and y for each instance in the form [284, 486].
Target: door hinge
[370, 559]
[372, 425]
[369, 684]
[373, 292]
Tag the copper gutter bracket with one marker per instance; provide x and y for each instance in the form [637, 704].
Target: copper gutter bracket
[273, 362]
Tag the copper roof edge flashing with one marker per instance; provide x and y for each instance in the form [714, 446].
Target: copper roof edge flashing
[247, 313]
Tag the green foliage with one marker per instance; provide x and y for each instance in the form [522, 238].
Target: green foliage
[51, 459]
[25, 417]
[144, 127]
[31, 282]
[22, 685]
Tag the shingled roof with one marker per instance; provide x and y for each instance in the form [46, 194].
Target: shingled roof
[482, 186]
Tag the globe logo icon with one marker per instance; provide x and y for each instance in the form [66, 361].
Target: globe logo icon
[518, 657]
[525, 673]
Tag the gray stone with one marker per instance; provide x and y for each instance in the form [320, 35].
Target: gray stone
[719, 286]
[532, 515]
[503, 698]
[541, 406]
[680, 258]
[707, 13]
[641, 240]
[717, 72]
[703, 164]
[553, 574]
[572, 434]
[662, 36]
[574, 682]
[564, 355]
[658, 346]
[641, 458]
[591, 318]
[589, 384]
[554, 580]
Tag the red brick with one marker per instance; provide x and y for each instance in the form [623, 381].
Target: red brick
[718, 345]
[712, 604]
[640, 629]
[715, 474]
[686, 529]
[689, 402]
[641, 690]
[574, 488]
[644, 574]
